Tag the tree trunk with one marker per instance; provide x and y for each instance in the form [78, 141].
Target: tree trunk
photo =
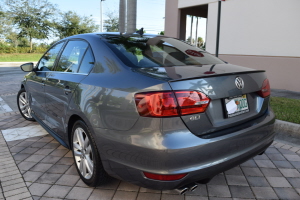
[197, 32]
[122, 16]
[192, 28]
[131, 16]
[30, 40]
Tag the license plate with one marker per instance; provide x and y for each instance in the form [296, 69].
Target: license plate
[236, 105]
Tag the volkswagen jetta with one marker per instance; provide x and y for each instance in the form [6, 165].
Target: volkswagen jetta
[151, 110]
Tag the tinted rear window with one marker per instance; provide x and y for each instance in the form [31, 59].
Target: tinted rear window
[159, 51]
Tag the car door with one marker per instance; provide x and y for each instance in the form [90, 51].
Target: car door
[61, 83]
[35, 84]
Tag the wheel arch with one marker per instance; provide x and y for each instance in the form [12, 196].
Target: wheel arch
[74, 118]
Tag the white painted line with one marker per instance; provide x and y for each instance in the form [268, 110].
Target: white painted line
[4, 107]
[23, 133]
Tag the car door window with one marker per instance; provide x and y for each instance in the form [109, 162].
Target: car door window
[87, 62]
[71, 56]
[48, 60]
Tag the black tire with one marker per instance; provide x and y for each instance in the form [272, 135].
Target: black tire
[98, 176]
[23, 105]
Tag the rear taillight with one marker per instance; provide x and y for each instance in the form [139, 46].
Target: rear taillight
[156, 104]
[168, 103]
[265, 89]
[164, 177]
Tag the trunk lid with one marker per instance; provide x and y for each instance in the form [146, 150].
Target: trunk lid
[218, 83]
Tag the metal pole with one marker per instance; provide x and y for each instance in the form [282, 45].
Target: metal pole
[131, 16]
[100, 15]
[218, 28]
[122, 16]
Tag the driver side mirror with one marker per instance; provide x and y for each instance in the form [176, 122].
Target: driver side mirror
[27, 67]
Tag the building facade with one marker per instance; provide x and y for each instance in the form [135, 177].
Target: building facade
[260, 34]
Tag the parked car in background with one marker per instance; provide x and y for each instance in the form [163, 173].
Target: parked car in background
[151, 110]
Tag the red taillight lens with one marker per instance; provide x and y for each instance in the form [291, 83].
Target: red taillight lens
[191, 102]
[265, 89]
[164, 104]
[164, 177]
[156, 104]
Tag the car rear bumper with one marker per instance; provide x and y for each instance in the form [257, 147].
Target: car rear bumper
[175, 150]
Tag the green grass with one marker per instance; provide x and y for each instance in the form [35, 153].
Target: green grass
[20, 57]
[286, 109]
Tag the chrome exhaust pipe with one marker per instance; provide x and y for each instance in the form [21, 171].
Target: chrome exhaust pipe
[193, 188]
[182, 191]
[190, 187]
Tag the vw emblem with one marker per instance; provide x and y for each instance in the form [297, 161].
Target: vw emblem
[239, 82]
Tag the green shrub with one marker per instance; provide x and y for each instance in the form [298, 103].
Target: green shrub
[10, 49]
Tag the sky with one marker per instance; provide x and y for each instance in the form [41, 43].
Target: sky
[150, 13]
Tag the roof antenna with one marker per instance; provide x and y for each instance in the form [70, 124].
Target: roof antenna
[140, 32]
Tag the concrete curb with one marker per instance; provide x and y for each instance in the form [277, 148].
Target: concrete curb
[287, 131]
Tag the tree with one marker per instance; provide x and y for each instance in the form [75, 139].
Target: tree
[5, 22]
[161, 33]
[32, 18]
[112, 23]
[72, 24]
[200, 42]
[192, 18]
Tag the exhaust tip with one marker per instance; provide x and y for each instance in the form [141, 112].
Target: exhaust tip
[193, 188]
[182, 191]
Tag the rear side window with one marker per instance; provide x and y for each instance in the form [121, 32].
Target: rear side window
[87, 62]
[71, 57]
[48, 60]
[159, 51]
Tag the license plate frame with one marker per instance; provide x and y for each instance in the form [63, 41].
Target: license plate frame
[235, 106]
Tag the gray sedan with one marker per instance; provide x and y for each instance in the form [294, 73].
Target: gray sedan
[151, 110]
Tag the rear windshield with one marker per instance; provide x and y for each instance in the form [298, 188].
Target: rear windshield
[159, 51]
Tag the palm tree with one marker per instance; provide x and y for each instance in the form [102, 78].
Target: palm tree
[196, 31]
[192, 27]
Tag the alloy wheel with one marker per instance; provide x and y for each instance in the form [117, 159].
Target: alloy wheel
[24, 105]
[83, 153]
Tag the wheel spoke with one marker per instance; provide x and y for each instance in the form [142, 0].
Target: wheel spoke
[83, 167]
[86, 142]
[80, 138]
[75, 145]
[77, 153]
[23, 100]
[88, 149]
[89, 164]
[23, 107]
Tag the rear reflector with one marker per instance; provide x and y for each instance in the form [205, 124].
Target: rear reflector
[164, 177]
[265, 89]
[169, 104]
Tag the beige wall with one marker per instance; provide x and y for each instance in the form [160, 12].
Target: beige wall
[256, 27]
[260, 34]
[172, 20]
[190, 3]
[283, 72]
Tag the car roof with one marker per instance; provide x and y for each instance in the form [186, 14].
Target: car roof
[109, 33]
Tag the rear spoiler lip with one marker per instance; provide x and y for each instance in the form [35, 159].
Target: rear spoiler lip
[215, 75]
